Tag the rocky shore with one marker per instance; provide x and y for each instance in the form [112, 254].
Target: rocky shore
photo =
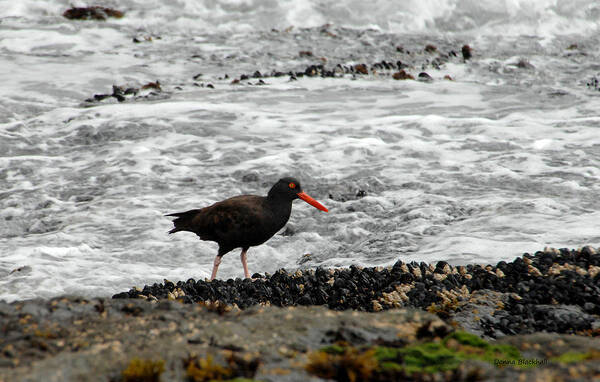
[535, 318]
[400, 64]
[554, 291]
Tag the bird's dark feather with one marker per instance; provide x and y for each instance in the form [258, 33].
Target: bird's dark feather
[241, 221]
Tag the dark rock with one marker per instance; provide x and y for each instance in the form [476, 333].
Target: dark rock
[91, 13]
[152, 85]
[466, 52]
[402, 75]
[524, 64]
[122, 295]
[251, 177]
[430, 48]
[361, 69]
[524, 291]
[425, 77]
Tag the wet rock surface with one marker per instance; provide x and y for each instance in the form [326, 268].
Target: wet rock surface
[552, 290]
[71, 338]
[148, 91]
[404, 64]
[101, 336]
[92, 13]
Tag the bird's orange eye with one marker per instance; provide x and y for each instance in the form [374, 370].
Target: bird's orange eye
[292, 185]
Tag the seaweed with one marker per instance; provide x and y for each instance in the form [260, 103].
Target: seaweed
[143, 370]
[571, 357]
[343, 362]
[239, 368]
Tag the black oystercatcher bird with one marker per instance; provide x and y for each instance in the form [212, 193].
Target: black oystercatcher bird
[243, 221]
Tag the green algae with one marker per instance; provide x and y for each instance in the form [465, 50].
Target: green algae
[467, 339]
[334, 349]
[576, 357]
[444, 355]
[491, 351]
[427, 357]
[381, 362]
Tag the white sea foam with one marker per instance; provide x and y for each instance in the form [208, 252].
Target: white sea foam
[534, 18]
[498, 161]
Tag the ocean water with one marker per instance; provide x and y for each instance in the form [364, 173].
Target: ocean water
[500, 160]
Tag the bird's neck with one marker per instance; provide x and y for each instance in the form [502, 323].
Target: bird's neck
[278, 201]
[281, 207]
[272, 194]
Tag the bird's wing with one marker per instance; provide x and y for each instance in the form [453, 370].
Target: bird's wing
[222, 219]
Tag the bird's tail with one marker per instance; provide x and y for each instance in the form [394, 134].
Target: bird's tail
[183, 221]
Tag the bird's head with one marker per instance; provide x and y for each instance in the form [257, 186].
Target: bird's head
[291, 189]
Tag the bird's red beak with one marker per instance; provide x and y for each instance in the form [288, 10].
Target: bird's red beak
[312, 202]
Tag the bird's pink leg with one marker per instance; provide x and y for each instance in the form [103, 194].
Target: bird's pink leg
[243, 257]
[215, 267]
